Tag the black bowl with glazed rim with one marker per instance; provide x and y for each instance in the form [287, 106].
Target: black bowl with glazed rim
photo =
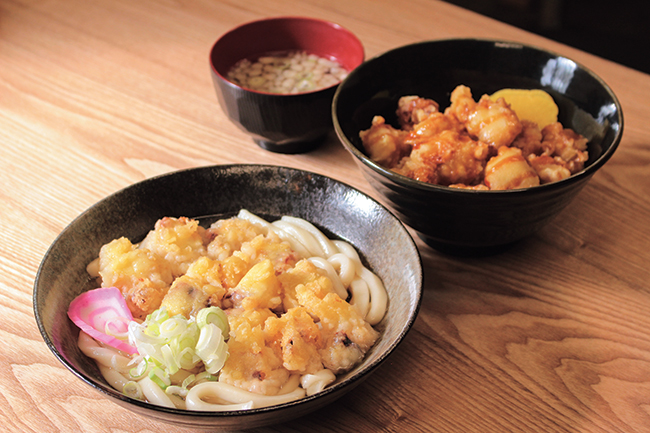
[470, 222]
[220, 191]
[283, 123]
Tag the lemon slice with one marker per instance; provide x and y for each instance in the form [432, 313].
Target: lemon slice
[535, 105]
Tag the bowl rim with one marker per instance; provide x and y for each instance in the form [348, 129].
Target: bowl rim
[329, 392]
[407, 182]
[296, 18]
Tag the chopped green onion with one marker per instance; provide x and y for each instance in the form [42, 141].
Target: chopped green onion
[159, 377]
[170, 361]
[212, 348]
[204, 376]
[133, 389]
[172, 327]
[188, 381]
[158, 316]
[139, 370]
[216, 316]
[169, 344]
[178, 391]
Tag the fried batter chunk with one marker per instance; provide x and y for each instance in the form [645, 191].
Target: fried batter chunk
[242, 239]
[179, 241]
[305, 273]
[252, 365]
[298, 338]
[142, 276]
[202, 286]
[347, 336]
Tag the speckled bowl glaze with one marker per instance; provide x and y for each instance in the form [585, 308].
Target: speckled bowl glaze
[282, 123]
[467, 222]
[221, 191]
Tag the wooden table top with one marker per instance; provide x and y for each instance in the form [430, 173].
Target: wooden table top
[95, 95]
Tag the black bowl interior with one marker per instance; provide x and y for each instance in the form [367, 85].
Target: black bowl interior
[218, 191]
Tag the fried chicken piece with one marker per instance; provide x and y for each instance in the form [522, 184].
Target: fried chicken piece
[549, 169]
[412, 110]
[530, 140]
[492, 122]
[566, 144]
[479, 187]
[430, 127]
[509, 170]
[383, 143]
[555, 153]
[449, 157]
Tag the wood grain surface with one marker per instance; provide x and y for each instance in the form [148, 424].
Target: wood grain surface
[95, 95]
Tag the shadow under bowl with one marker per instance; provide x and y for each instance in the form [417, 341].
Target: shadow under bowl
[210, 193]
[284, 123]
[469, 222]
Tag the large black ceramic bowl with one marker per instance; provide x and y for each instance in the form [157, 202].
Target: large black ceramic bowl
[207, 193]
[293, 123]
[472, 222]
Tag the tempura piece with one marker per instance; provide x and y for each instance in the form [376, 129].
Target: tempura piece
[201, 287]
[228, 235]
[252, 364]
[305, 273]
[298, 338]
[240, 238]
[259, 288]
[347, 336]
[142, 277]
[179, 241]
